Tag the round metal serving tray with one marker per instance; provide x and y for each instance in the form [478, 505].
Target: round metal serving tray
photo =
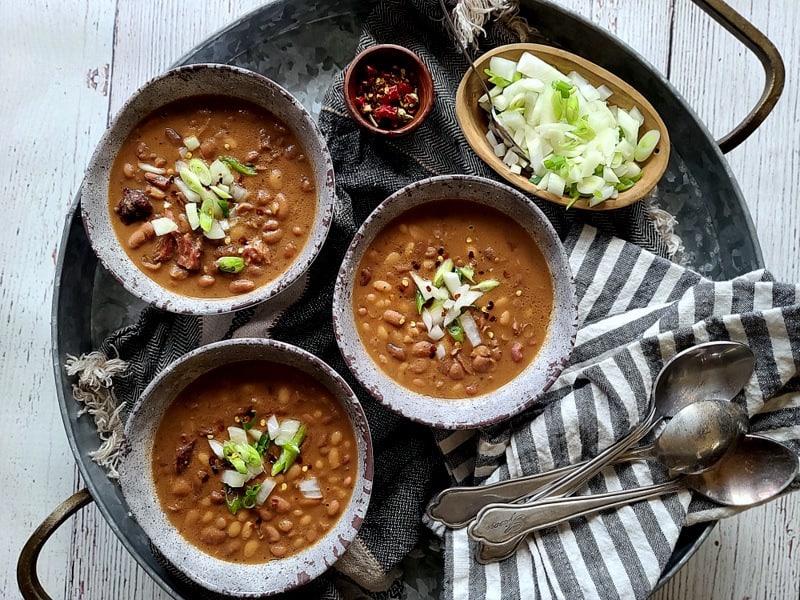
[302, 45]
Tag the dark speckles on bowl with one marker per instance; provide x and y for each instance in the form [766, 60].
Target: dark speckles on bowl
[522, 391]
[185, 82]
[136, 475]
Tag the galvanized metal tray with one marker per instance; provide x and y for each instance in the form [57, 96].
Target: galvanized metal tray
[302, 45]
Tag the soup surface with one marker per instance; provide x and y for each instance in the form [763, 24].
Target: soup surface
[254, 461]
[452, 299]
[212, 196]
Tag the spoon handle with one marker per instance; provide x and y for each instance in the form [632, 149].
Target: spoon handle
[501, 523]
[584, 472]
[456, 506]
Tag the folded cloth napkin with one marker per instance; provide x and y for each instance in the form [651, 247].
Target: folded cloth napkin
[636, 310]
[409, 468]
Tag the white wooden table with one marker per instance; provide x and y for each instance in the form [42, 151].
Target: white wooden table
[67, 66]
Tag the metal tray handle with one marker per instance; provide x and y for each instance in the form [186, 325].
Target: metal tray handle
[27, 577]
[767, 54]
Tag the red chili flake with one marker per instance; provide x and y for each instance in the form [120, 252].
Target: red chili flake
[387, 97]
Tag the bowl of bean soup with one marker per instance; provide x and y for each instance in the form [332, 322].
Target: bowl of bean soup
[248, 463]
[454, 304]
[212, 190]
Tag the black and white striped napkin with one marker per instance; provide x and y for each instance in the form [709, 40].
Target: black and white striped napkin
[636, 311]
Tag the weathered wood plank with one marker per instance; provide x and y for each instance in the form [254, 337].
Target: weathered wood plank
[54, 103]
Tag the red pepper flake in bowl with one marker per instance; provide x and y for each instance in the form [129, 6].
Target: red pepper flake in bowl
[388, 97]
[388, 90]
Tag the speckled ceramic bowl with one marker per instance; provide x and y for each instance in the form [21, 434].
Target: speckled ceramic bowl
[136, 474]
[176, 84]
[522, 391]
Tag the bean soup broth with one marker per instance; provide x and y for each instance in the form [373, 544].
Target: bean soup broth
[250, 190]
[452, 299]
[308, 496]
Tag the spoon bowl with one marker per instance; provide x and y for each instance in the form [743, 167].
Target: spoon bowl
[756, 471]
[457, 506]
[700, 435]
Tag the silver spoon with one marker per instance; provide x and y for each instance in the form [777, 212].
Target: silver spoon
[756, 471]
[499, 127]
[710, 370]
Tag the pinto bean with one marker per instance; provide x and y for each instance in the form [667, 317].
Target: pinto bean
[206, 281]
[272, 237]
[394, 317]
[422, 349]
[280, 504]
[456, 371]
[332, 508]
[241, 286]
[278, 550]
[173, 137]
[276, 179]
[365, 276]
[516, 352]
[144, 233]
[212, 536]
[157, 180]
[271, 533]
[250, 548]
[395, 351]
[208, 148]
[418, 366]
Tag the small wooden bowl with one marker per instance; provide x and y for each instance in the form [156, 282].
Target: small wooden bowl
[474, 121]
[386, 55]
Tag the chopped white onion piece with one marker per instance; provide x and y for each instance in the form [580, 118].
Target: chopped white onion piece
[265, 490]
[471, 329]
[164, 225]
[151, 169]
[436, 333]
[273, 427]
[191, 142]
[216, 448]
[233, 478]
[238, 192]
[310, 488]
[192, 216]
[255, 433]
[287, 430]
[237, 435]
[216, 232]
[646, 145]
[440, 351]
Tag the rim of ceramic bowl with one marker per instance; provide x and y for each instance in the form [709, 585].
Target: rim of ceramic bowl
[202, 79]
[138, 488]
[511, 398]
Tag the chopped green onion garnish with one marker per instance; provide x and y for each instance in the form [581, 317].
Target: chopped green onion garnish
[191, 180]
[419, 301]
[220, 192]
[467, 273]
[263, 443]
[199, 168]
[230, 264]
[486, 285]
[445, 267]
[289, 451]
[237, 166]
[206, 216]
[456, 331]
[233, 501]
[249, 500]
